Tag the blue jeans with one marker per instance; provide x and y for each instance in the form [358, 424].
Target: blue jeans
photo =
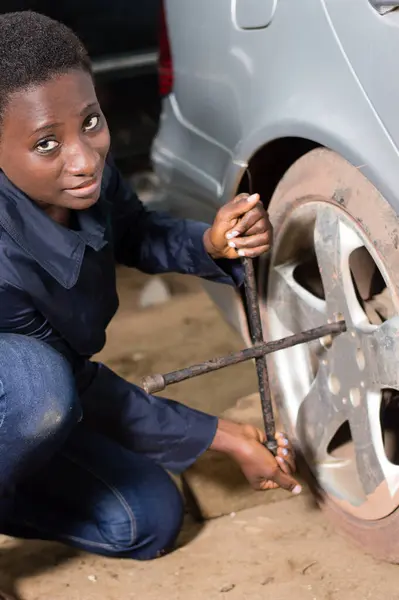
[61, 480]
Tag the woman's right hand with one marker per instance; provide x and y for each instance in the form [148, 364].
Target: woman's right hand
[245, 444]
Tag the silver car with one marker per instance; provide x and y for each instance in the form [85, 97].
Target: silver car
[299, 100]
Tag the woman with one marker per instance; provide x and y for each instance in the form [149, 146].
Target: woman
[83, 453]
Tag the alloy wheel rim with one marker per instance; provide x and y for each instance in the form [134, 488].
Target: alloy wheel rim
[335, 388]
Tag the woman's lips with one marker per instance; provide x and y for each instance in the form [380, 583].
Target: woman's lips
[85, 192]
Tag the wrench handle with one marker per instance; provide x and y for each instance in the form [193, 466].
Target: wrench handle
[255, 326]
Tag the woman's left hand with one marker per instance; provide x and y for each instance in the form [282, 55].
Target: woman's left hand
[245, 444]
[241, 228]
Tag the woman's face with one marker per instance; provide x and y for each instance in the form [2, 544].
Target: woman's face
[54, 140]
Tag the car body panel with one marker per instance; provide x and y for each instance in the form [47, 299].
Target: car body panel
[236, 91]
[322, 70]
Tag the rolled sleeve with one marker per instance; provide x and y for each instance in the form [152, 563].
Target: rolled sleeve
[226, 271]
[170, 433]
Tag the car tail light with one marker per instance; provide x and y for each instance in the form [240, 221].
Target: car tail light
[165, 57]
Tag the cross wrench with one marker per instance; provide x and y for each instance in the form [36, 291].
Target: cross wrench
[259, 350]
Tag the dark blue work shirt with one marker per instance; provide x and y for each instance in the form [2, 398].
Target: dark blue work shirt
[58, 285]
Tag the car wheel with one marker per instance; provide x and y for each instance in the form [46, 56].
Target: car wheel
[336, 256]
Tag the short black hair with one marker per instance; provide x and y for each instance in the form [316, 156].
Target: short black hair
[33, 49]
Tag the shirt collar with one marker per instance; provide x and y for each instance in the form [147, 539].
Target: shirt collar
[55, 248]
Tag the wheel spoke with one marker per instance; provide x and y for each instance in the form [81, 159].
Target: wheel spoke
[367, 437]
[334, 242]
[360, 401]
[296, 308]
[319, 418]
[360, 467]
[381, 347]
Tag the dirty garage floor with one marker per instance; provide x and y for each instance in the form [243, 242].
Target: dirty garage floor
[281, 551]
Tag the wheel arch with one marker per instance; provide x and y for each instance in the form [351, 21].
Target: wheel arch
[271, 149]
[269, 162]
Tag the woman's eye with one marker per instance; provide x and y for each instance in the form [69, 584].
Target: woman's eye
[46, 146]
[91, 123]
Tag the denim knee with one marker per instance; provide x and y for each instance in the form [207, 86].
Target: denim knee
[146, 525]
[38, 403]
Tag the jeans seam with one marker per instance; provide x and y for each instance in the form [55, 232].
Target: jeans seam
[61, 536]
[3, 397]
[117, 494]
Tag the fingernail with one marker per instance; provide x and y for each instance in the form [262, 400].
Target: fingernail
[252, 198]
[232, 234]
[241, 253]
[285, 441]
[297, 490]
[285, 452]
[232, 245]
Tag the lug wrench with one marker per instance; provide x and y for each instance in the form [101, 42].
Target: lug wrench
[259, 350]
[255, 327]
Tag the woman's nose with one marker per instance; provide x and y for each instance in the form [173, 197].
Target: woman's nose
[82, 161]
